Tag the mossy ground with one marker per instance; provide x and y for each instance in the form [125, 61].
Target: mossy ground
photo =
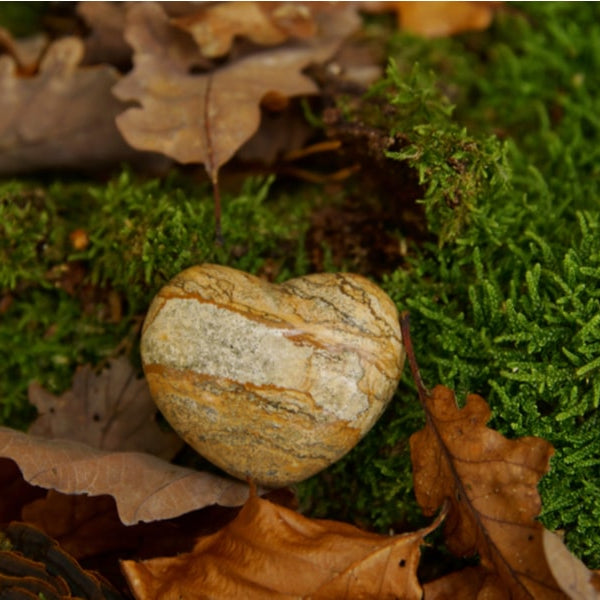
[502, 280]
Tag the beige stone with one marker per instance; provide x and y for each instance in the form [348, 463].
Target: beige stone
[272, 382]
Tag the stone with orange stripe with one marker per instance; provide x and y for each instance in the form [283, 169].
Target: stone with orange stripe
[272, 382]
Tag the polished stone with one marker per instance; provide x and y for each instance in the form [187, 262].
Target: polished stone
[272, 382]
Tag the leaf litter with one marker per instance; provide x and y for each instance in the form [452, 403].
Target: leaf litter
[110, 411]
[486, 483]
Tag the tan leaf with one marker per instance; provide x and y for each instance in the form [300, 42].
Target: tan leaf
[105, 41]
[269, 551]
[205, 118]
[573, 577]
[437, 19]
[62, 116]
[112, 410]
[491, 485]
[25, 51]
[267, 23]
[145, 487]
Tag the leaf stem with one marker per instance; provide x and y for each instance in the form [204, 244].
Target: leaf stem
[219, 241]
[410, 354]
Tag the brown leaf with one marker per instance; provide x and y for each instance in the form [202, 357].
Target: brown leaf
[205, 118]
[267, 23]
[573, 577]
[62, 116]
[105, 41]
[490, 483]
[469, 584]
[112, 410]
[25, 51]
[15, 492]
[88, 526]
[269, 551]
[437, 19]
[145, 487]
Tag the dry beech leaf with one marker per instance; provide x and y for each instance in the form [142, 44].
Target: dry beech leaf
[112, 410]
[269, 551]
[573, 577]
[145, 487]
[205, 118]
[267, 23]
[491, 485]
[62, 116]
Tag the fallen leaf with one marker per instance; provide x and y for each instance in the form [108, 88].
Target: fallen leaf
[25, 51]
[437, 19]
[145, 487]
[61, 116]
[491, 485]
[15, 492]
[267, 23]
[112, 410]
[573, 577]
[205, 117]
[269, 551]
[471, 583]
[105, 42]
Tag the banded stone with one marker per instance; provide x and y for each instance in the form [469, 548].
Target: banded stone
[272, 382]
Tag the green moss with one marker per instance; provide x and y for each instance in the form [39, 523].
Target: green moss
[141, 233]
[22, 18]
[505, 298]
[504, 138]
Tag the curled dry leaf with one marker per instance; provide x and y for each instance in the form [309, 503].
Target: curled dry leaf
[573, 577]
[269, 551]
[112, 410]
[491, 484]
[205, 117]
[267, 23]
[145, 487]
[62, 116]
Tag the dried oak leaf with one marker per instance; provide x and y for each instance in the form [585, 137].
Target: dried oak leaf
[106, 22]
[267, 23]
[144, 487]
[25, 51]
[112, 410]
[63, 116]
[205, 117]
[491, 485]
[269, 551]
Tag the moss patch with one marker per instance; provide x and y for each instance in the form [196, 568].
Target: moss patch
[502, 279]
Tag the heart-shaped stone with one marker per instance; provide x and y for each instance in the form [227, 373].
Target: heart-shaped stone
[272, 382]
